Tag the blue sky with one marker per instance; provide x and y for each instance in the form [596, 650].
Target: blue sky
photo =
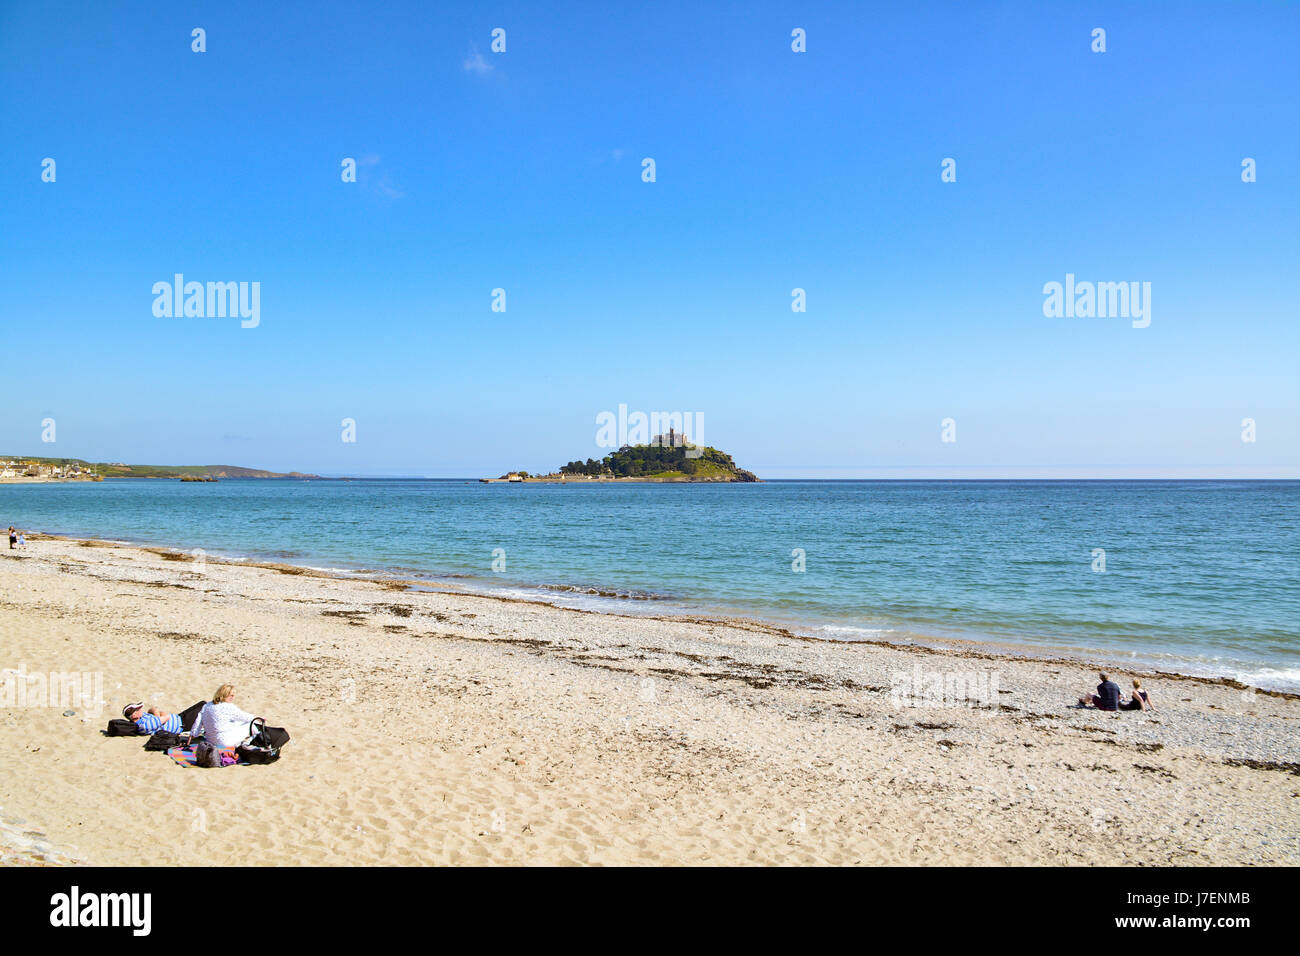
[775, 170]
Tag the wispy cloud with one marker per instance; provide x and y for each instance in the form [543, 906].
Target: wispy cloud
[614, 155]
[380, 180]
[474, 63]
[389, 188]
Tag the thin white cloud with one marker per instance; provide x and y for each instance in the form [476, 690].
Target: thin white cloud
[374, 179]
[474, 63]
[389, 188]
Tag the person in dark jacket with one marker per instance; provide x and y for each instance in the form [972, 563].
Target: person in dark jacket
[1107, 696]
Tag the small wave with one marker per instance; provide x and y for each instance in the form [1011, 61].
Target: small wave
[843, 632]
[628, 595]
[1271, 678]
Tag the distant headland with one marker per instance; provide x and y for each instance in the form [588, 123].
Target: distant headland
[18, 468]
[668, 458]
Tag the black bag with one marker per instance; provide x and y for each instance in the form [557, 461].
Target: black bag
[189, 715]
[121, 727]
[263, 744]
[163, 740]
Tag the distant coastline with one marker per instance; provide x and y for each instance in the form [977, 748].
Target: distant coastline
[24, 469]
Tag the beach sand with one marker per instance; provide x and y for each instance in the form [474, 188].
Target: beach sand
[433, 727]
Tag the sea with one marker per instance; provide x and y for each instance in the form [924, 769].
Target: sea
[1197, 577]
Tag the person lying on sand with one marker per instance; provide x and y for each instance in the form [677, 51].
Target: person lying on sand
[1107, 696]
[152, 720]
[1140, 700]
[220, 722]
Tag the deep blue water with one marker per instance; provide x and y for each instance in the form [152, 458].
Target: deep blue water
[1203, 577]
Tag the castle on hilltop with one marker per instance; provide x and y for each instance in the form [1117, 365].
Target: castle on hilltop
[674, 439]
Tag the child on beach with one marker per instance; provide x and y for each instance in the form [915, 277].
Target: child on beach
[13, 538]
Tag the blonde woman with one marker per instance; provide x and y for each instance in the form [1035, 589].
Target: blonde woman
[1140, 700]
[221, 723]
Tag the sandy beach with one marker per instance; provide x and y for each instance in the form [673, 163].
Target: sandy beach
[432, 727]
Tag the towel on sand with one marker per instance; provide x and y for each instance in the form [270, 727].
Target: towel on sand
[185, 756]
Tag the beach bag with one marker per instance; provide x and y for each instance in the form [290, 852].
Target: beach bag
[263, 743]
[121, 727]
[206, 755]
[189, 715]
[163, 740]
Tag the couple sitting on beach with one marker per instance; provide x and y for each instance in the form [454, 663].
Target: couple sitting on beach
[219, 722]
[1110, 697]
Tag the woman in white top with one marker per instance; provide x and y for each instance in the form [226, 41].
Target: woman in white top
[221, 723]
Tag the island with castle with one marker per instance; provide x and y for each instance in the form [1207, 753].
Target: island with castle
[669, 457]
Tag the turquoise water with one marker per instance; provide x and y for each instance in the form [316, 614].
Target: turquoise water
[1201, 577]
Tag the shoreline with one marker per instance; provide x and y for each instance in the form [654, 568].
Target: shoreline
[49, 481]
[436, 726]
[993, 650]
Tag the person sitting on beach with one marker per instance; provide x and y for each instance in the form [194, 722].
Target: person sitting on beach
[1107, 696]
[152, 720]
[220, 722]
[1140, 700]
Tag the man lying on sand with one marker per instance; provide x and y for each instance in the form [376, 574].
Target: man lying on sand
[152, 720]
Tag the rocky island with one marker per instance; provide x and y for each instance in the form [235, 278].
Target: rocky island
[668, 458]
